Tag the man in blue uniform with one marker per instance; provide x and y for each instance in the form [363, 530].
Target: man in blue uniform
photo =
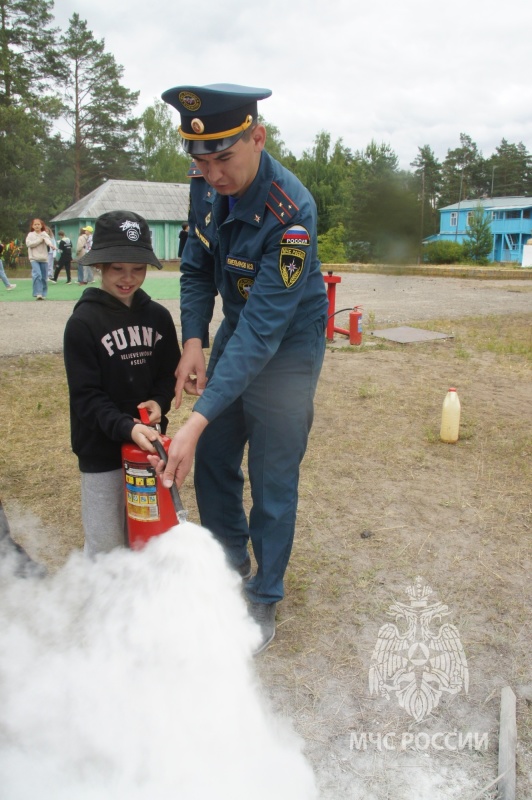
[253, 240]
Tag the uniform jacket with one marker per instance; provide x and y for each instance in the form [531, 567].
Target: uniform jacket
[115, 358]
[261, 257]
[38, 244]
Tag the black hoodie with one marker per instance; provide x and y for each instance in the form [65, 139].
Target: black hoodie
[116, 357]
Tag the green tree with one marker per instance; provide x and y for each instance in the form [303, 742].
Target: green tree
[28, 58]
[331, 246]
[161, 156]
[98, 109]
[464, 173]
[427, 183]
[381, 211]
[478, 244]
[510, 169]
[275, 145]
[29, 65]
[323, 171]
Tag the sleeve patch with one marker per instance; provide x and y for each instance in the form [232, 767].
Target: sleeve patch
[291, 263]
[297, 234]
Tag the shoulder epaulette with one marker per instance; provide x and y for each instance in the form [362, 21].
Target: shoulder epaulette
[193, 171]
[280, 204]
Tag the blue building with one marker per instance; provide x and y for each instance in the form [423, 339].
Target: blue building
[510, 219]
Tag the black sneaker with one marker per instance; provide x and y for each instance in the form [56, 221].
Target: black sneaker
[244, 569]
[264, 615]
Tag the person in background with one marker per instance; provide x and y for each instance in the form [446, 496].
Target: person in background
[88, 272]
[81, 249]
[3, 277]
[51, 254]
[39, 243]
[183, 236]
[253, 240]
[65, 257]
[121, 352]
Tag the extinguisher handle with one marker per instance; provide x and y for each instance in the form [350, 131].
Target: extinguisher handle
[174, 491]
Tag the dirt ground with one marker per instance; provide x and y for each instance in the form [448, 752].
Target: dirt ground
[383, 501]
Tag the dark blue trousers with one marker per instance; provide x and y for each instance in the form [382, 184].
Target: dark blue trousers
[274, 416]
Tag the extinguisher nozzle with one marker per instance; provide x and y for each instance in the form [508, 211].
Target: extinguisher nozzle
[174, 491]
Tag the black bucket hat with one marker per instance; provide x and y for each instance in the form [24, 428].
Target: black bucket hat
[122, 237]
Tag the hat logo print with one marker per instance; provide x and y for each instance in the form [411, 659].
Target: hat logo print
[189, 100]
[132, 230]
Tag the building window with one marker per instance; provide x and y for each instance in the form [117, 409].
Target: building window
[513, 214]
[454, 219]
[496, 214]
[470, 215]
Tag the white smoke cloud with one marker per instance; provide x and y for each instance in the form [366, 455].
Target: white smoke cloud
[131, 677]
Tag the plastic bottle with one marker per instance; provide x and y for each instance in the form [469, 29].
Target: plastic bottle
[450, 417]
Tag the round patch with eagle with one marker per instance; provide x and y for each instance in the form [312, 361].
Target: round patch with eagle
[291, 263]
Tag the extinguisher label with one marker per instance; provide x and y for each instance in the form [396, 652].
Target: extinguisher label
[141, 492]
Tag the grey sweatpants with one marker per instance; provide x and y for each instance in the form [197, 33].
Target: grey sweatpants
[103, 511]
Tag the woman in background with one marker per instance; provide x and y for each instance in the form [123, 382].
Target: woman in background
[38, 243]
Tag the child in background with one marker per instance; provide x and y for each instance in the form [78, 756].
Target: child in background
[3, 276]
[65, 257]
[39, 244]
[120, 351]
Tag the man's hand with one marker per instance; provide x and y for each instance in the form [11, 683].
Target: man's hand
[181, 451]
[190, 372]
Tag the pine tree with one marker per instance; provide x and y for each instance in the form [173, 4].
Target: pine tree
[428, 184]
[98, 109]
[29, 65]
[479, 241]
[464, 173]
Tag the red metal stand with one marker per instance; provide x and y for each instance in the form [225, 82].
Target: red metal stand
[355, 316]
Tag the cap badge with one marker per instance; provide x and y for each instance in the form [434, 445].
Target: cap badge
[189, 100]
[197, 125]
[132, 230]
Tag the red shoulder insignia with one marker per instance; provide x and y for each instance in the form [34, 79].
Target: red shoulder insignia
[280, 204]
[193, 171]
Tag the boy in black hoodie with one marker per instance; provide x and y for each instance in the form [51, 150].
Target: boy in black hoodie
[120, 351]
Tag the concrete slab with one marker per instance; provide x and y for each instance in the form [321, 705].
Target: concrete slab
[407, 335]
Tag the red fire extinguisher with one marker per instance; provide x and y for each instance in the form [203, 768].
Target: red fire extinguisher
[151, 509]
[355, 325]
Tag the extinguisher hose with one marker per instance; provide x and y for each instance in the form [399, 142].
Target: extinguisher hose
[174, 491]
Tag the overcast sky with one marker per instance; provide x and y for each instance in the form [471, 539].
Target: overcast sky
[407, 74]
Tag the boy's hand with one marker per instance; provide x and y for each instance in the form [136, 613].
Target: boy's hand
[143, 436]
[154, 410]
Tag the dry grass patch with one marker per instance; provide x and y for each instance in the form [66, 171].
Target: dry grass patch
[382, 500]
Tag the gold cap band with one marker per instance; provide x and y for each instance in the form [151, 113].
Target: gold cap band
[220, 134]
